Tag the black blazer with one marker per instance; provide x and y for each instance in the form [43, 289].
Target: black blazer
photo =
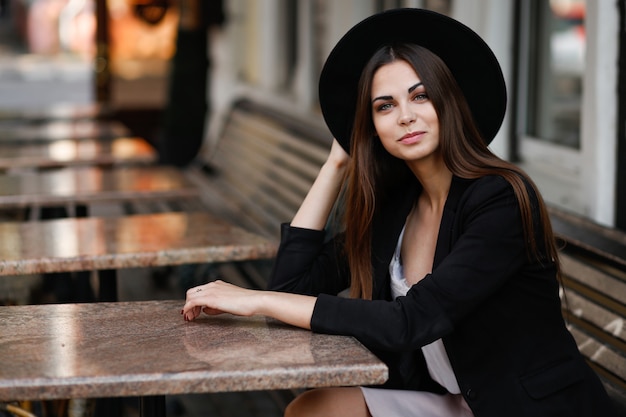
[497, 311]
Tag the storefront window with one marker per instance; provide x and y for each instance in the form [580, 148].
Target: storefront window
[556, 71]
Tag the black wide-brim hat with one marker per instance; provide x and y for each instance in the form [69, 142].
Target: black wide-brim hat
[466, 54]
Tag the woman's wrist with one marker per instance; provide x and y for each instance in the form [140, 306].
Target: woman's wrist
[334, 169]
[294, 309]
[317, 205]
[337, 158]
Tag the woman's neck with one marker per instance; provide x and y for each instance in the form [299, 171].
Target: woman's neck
[435, 180]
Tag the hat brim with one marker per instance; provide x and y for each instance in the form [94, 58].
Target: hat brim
[466, 54]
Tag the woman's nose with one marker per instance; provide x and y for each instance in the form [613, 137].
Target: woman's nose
[407, 117]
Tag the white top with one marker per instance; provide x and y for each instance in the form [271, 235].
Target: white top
[435, 353]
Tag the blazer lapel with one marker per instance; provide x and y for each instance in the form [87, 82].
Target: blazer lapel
[445, 237]
[386, 230]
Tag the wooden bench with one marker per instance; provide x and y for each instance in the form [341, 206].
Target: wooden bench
[259, 173]
[594, 301]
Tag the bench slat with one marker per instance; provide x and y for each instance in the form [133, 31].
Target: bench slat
[608, 325]
[602, 282]
[286, 189]
[275, 152]
[307, 150]
[601, 356]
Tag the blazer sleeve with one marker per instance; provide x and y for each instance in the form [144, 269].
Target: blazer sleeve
[306, 263]
[488, 252]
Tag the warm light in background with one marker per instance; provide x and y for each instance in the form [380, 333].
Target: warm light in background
[69, 26]
[134, 40]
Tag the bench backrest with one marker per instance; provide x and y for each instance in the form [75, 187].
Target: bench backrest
[594, 280]
[263, 166]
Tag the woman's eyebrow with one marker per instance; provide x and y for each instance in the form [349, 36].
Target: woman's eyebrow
[382, 98]
[410, 90]
[414, 87]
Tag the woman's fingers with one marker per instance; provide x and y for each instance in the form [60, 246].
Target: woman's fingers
[193, 306]
[190, 312]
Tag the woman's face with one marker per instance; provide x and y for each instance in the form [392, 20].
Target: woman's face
[404, 117]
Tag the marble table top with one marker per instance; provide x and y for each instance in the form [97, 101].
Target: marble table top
[90, 184]
[20, 131]
[146, 348]
[78, 244]
[122, 150]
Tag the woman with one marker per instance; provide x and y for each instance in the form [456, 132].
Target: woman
[447, 250]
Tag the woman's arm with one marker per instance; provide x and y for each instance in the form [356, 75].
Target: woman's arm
[220, 297]
[318, 203]
[307, 262]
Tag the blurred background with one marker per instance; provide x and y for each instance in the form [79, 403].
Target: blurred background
[170, 69]
[117, 54]
[50, 46]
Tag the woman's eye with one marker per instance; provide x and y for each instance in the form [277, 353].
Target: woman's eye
[384, 107]
[421, 97]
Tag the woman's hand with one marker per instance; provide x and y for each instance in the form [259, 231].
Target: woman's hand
[337, 155]
[219, 297]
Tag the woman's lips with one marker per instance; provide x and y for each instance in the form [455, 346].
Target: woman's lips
[411, 138]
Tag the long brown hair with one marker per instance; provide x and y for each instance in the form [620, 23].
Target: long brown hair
[373, 171]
